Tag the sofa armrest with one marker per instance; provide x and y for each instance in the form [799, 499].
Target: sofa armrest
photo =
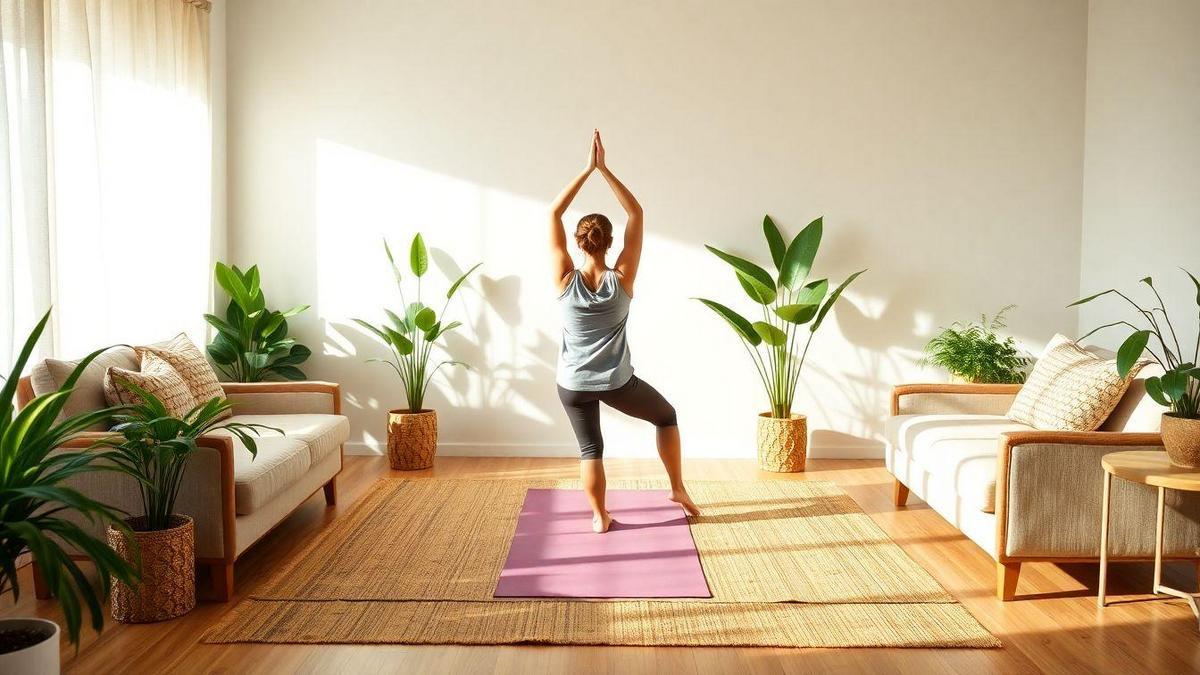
[206, 494]
[279, 398]
[1049, 487]
[953, 397]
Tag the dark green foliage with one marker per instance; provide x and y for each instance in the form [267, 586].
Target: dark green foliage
[252, 342]
[974, 352]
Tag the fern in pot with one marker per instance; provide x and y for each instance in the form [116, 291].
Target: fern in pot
[154, 447]
[1178, 388]
[410, 336]
[974, 352]
[793, 307]
[36, 461]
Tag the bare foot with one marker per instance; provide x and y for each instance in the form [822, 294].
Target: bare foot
[681, 498]
[600, 524]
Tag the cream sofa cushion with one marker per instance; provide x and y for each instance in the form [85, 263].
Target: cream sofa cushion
[48, 376]
[189, 362]
[156, 377]
[961, 449]
[1070, 389]
[323, 434]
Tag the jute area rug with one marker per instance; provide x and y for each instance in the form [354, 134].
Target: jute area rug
[789, 563]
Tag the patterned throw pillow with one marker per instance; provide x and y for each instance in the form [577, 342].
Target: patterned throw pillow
[157, 377]
[189, 362]
[1070, 389]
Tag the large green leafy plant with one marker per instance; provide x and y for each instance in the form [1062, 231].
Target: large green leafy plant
[1179, 387]
[34, 499]
[792, 307]
[411, 333]
[252, 342]
[976, 353]
[154, 447]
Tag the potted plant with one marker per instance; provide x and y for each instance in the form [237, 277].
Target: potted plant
[33, 503]
[252, 342]
[1179, 387]
[153, 447]
[789, 303]
[410, 336]
[973, 352]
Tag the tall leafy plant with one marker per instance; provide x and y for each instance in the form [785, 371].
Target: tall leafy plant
[252, 342]
[34, 499]
[1179, 387]
[792, 307]
[976, 352]
[411, 333]
[154, 447]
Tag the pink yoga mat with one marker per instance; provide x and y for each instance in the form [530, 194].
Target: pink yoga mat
[648, 552]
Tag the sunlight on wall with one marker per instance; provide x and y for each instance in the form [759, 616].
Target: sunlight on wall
[508, 401]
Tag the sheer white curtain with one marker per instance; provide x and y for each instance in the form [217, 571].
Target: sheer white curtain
[129, 170]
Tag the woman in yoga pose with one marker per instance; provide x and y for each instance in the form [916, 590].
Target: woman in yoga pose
[594, 365]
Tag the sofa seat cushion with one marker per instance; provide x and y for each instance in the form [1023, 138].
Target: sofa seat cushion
[957, 448]
[280, 462]
[322, 434]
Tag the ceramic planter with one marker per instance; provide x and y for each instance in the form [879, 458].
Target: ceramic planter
[782, 443]
[40, 658]
[168, 567]
[1181, 437]
[412, 439]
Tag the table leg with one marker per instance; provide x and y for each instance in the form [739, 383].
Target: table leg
[1158, 556]
[1104, 541]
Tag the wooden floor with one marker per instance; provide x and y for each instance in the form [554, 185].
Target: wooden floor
[1054, 626]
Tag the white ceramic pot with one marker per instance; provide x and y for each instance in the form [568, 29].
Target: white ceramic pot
[38, 659]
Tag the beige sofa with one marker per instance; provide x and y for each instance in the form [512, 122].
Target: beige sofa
[1025, 495]
[235, 499]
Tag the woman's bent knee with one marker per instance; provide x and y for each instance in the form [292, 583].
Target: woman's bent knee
[667, 418]
[591, 451]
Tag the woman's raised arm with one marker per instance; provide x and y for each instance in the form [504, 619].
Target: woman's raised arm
[560, 259]
[631, 250]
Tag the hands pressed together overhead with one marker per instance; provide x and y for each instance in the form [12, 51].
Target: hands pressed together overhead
[596, 153]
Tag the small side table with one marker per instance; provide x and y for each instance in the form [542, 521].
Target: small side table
[1148, 467]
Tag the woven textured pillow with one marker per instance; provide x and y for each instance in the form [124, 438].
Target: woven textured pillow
[157, 377]
[187, 360]
[1070, 389]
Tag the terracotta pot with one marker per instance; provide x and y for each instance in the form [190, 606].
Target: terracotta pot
[1181, 437]
[36, 659]
[168, 566]
[412, 439]
[782, 443]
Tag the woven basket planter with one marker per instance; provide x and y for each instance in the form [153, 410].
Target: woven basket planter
[1181, 438]
[782, 443]
[168, 566]
[412, 439]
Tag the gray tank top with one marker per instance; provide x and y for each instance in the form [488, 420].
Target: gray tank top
[594, 355]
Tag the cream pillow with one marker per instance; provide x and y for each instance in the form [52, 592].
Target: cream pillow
[156, 377]
[1070, 389]
[48, 377]
[187, 360]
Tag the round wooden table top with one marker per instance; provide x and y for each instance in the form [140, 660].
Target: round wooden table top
[1151, 467]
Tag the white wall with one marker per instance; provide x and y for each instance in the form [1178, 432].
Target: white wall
[942, 141]
[1141, 198]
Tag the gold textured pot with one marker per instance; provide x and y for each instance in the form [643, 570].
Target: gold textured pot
[1181, 438]
[782, 443]
[168, 568]
[412, 439]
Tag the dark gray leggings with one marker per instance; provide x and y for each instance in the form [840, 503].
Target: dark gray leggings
[634, 398]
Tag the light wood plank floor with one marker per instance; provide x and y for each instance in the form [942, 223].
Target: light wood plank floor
[1054, 626]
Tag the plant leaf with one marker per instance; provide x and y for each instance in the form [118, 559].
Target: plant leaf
[1131, 350]
[418, 257]
[833, 297]
[798, 259]
[797, 313]
[754, 276]
[769, 334]
[812, 293]
[1155, 390]
[1092, 297]
[401, 343]
[737, 321]
[458, 282]
[425, 319]
[774, 242]
[757, 293]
